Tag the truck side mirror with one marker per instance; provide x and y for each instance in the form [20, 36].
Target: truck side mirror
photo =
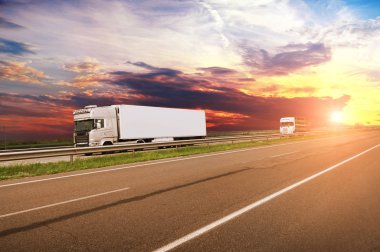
[98, 124]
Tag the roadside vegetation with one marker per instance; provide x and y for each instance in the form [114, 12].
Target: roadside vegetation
[35, 169]
[34, 144]
[240, 133]
[4, 145]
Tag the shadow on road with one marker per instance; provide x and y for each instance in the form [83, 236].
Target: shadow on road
[120, 202]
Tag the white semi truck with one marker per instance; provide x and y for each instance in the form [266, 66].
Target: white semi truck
[97, 126]
[291, 125]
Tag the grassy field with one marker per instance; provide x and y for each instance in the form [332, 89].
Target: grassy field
[35, 144]
[28, 170]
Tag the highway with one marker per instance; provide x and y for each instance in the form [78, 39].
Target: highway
[312, 195]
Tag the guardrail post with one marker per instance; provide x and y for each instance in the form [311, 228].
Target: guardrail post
[71, 158]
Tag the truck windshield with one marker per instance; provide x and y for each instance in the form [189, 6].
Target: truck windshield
[285, 124]
[85, 125]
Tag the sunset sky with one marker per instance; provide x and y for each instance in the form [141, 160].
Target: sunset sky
[247, 63]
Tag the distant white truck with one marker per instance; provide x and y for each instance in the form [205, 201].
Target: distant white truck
[291, 125]
[97, 126]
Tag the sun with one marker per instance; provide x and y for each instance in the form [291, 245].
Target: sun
[336, 117]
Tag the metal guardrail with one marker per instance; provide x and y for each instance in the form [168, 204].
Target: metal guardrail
[37, 148]
[30, 154]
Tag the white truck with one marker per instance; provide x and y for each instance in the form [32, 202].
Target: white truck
[291, 125]
[97, 126]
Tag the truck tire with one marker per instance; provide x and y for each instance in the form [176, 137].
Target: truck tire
[140, 141]
[107, 143]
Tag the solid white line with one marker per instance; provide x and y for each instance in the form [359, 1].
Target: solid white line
[243, 210]
[63, 202]
[284, 154]
[153, 163]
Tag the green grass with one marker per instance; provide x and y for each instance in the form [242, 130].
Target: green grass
[239, 133]
[35, 144]
[36, 169]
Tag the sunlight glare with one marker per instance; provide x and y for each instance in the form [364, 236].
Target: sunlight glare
[336, 117]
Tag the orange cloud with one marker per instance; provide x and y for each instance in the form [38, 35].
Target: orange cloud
[84, 81]
[83, 67]
[218, 118]
[24, 117]
[19, 71]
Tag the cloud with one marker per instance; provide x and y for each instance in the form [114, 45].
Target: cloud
[8, 24]
[86, 81]
[278, 90]
[218, 70]
[216, 118]
[19, 71]
[269, 89]
[83, 67]
[26, 117]
[301, 90]
[155, 70]
[294, 57]
[218, 20]
[13, 47]
[189, 91]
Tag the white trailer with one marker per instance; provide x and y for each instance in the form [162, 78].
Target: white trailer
[108, 125]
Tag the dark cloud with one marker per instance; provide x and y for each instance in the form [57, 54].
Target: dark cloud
[188, 92]
[9, 25]
[14, 47]
[155, 70]
[218, 70]
[7, 110]
[294, 57]
[28, 105]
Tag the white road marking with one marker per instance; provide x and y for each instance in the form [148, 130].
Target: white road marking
[284, 154]
[63, 202]
[153, 163]
[243, 210]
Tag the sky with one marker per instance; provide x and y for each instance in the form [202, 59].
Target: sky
[246, 63]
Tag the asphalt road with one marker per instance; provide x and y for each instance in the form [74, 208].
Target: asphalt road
[315, 195]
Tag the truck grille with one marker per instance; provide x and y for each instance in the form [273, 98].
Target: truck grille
[81, 139]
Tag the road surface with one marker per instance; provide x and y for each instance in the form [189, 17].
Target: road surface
[314, 195]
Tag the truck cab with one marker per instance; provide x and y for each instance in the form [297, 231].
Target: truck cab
[95, 126]
[287, 125]
[291, 125]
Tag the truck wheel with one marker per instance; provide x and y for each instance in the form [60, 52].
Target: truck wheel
[139, 142]
[107, 143]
